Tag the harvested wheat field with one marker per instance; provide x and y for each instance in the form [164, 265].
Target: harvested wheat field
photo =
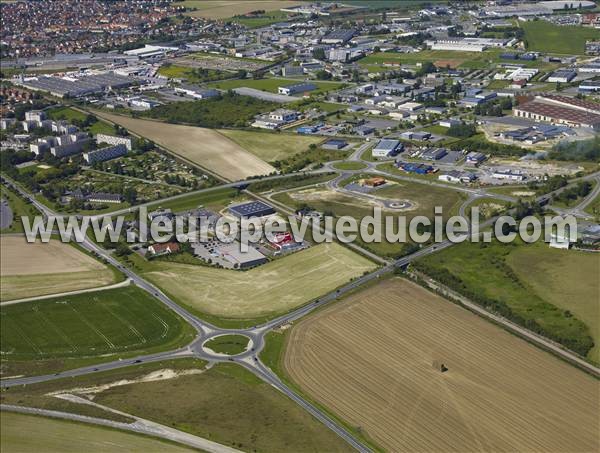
[370, 360]
[36, 269]
[204, 147]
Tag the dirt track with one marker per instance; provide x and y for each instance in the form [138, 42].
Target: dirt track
[370, 359]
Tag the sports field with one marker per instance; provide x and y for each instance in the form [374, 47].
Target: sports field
[54, 436]
[542, 36]
[221, 9]
[441, 58]
[272, 84]
[370, 359]
[270, 289]
[36, 269]
[103, 323]
[534, 285]
[271, 146]
[204, 147]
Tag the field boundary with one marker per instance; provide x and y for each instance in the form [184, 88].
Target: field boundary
[69, 293]
[523, 333]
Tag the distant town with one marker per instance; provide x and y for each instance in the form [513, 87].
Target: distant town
[147, 111]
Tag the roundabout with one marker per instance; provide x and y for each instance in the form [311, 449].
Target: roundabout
[226, 345]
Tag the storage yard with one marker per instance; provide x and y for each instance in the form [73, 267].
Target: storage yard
[376, 360]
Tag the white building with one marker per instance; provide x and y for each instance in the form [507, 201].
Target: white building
[387, 148]
[114, 140]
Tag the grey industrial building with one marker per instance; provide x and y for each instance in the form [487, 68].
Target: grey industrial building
[251, 209]
[81, 86]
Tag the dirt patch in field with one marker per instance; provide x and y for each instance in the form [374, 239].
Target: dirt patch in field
[375, 359]
[448, 63]
[158, 375]
[201, 146]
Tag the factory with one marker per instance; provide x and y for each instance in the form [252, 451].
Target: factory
[558, 109]
[76, 87]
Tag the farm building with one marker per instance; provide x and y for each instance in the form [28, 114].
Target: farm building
[251, 209]
[387, 148]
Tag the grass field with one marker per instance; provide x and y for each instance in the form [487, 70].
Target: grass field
[221, 9]
[54, 436]
[110, 324]
[270, 289]
[594, 207]
[225, 404]
[537, 283]
[542, 36]
[216, 199]
[204, 147]
[271, 146]
[69, 114]
[36, 269]
[228, 344]
[19, 207]
[272, 84]
[370, 360]
[567, 279]
[422, 197]
[468, 60]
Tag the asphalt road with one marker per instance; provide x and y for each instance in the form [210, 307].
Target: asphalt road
[6, 214]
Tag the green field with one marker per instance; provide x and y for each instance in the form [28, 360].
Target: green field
[191, 75]
[271, 146]
[350, 165]
[267, 18]
[261, 292]
[272, 84]
[594, 207]
[215, 199]
[422, 196]
[19, 207]
[542, 36]
[546, 289]
[468, 60]
[54, 435]
[108, 324]
[75, 116]
[228, 344]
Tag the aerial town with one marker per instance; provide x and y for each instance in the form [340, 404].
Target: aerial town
[125, 124]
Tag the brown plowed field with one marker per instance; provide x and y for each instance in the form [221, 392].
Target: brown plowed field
[370, 360]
